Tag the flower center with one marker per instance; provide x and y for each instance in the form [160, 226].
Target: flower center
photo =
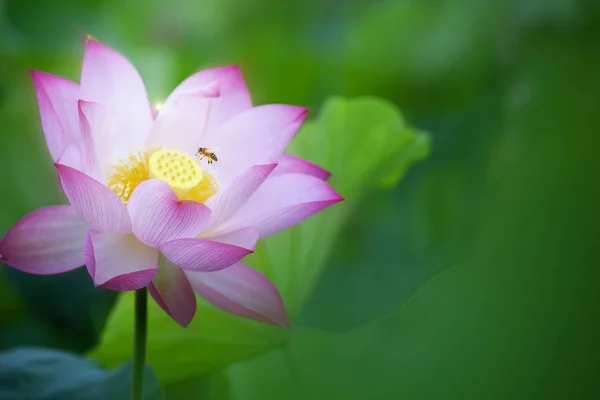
[179, 170]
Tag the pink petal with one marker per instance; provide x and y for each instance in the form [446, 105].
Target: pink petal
[243, 291]
[71, 156]
[283, 201]
[203, 254]
[107, 78]
[119, 262]
[246, 238]
[230, 198]
[181, 122]
[96, 203]
[289, 164]
[57, 99]
[255, 136]
[102, 142]
[172, 291]
[233, 95]
[197, 107]
[46, 241]
[158, 216]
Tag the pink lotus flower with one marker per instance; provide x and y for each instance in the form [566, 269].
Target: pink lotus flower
[145, 210]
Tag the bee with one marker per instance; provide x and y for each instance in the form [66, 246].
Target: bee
[208, 153]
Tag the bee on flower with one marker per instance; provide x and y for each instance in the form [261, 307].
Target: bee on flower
[208, 153]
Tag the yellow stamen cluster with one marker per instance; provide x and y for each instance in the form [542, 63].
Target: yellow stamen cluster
[179, 170]
[128, 173]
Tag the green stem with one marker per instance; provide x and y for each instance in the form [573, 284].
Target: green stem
[139, 345]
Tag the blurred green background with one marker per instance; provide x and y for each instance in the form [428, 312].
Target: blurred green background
[475, 277]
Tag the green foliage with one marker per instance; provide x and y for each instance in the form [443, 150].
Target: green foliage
[44, 374]
[213, 339]
[359, 141]
[362, 142]
[513, 319]
[10, 303]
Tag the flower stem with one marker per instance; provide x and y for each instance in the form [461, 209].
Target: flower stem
[139, 345]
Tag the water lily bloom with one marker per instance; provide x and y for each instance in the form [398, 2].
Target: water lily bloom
[146, 210]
